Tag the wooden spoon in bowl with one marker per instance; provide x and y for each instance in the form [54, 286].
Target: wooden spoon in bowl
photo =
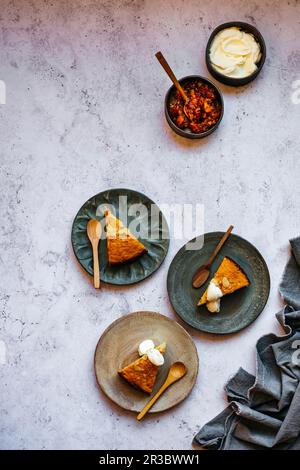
[176, 372]
[202, 274]
[169, 71]
[94, 231]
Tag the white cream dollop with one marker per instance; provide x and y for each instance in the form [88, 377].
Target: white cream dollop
[213, 306]
[155, 357]
[214, 295]
[235, 53]
[213, 292]
[145, 346]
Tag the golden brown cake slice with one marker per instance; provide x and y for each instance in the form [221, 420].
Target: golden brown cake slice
[228, 278]
[122, 246]
[142, 373]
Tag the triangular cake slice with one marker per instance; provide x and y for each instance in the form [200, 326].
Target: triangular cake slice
[122, 246]
[229, 277]
[142, 373]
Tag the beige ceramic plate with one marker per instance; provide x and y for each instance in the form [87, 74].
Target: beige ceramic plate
[118, 346]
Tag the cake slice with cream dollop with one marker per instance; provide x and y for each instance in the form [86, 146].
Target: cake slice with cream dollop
[142, 372]
[228, 278]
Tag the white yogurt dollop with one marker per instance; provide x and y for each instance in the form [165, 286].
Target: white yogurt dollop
[213, 292]
[145, 346]
[155, 357]
[235, 53]
[214, 295]
[213, 306]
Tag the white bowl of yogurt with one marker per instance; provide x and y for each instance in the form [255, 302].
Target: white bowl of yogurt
[235, 53]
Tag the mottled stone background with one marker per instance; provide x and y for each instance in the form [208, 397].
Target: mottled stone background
[84, 113]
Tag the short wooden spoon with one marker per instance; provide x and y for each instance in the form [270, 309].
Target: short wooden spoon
[171, 75]
[94, 231]
[202, 274]
[176, 372]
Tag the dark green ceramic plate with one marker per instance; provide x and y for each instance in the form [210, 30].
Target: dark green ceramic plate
[239, 309]
[157, 245]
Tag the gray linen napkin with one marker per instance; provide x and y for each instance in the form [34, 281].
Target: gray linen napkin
[264, 411]
[290, 285]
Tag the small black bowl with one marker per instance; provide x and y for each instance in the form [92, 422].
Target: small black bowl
[187, 132]
[248, 28]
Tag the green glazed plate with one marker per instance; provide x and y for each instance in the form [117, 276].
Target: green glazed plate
[239, 309]
[135, 270]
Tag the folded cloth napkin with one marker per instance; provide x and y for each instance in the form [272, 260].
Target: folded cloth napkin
[264, 411]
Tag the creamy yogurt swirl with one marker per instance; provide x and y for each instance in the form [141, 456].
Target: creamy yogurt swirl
[234, 53]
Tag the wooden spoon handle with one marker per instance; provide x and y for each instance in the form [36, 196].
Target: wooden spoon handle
[153, 400]
[219, 245]
[170, 72]
[96, 266]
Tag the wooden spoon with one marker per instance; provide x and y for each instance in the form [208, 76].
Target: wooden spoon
[94, 231]
[202, 274]
[170, 73]
[176, 372]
